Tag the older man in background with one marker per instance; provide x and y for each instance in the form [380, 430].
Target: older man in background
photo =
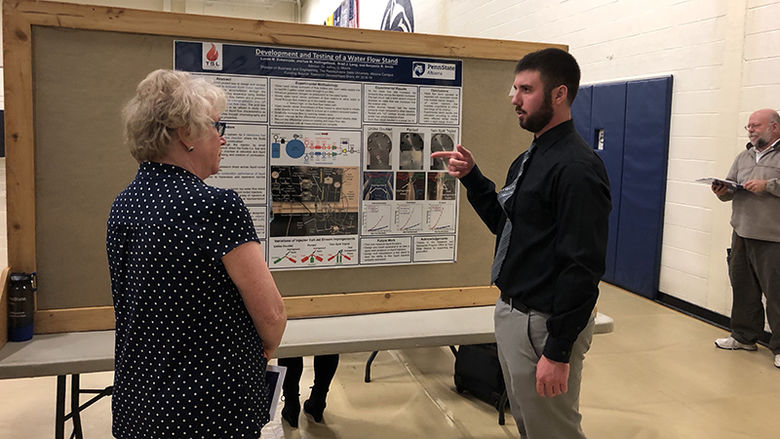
[754, 259]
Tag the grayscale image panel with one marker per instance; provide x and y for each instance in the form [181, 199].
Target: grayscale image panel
[441, 142]
[379, 147]
[411, 151]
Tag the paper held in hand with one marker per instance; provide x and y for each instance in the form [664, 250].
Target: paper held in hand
[274, 377]
[733, 185]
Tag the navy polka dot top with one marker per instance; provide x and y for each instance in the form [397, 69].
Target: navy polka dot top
[188, 362]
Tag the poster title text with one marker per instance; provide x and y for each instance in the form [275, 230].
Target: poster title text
[336, 57]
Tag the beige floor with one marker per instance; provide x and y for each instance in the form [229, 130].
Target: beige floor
[657, 376]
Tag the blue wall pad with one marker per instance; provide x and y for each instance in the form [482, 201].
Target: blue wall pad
[608, 114]
[634, 117]
[643, 192]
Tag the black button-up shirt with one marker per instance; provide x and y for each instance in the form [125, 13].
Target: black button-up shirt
[560, 211]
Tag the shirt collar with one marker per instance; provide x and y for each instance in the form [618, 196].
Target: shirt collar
[768, 149]
[554, 134]
[149, 170]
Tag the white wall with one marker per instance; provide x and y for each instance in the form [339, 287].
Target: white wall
[276, 10]
[725, 58]
[279, 10]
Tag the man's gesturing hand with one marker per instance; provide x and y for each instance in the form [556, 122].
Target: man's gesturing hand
[552, 377]
[460, 162]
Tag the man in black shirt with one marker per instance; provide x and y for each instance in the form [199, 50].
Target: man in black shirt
[551, 222]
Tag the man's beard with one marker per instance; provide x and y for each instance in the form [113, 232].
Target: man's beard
[537, 121]
[760, 143]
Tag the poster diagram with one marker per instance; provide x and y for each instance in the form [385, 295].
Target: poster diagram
[305, 147]
[318, 252]
[408, 218]
[330, 151]
[377, 218]
[440, 217]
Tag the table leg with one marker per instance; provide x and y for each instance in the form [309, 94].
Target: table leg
[75, 392]
[368, 366]
[59, 423]
[502, 407]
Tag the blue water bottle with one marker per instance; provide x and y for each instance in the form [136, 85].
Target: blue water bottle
[21, 306]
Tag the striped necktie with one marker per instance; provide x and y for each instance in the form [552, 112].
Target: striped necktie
[503, 195]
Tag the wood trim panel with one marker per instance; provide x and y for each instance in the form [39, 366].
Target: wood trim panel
[19, 143]
[4, 306]
[102, 317]
[386, 301]
[93, 318]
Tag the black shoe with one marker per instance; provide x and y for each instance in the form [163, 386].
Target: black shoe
[290, 411]
[314, 408]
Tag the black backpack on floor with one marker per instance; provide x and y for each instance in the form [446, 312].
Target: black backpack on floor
[478, 373]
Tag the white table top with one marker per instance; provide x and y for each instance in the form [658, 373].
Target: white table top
[393, 330]
[84, 352]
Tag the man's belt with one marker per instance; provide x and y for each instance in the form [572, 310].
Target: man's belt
[516, 304]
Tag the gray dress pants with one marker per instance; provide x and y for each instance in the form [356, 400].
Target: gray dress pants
[754, 267]
[521, 338]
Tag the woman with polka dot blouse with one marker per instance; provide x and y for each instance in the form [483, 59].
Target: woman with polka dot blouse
[197, 312]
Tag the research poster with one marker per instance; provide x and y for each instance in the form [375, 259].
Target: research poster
[330, 151]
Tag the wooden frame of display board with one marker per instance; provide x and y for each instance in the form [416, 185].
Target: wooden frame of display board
[68, 70]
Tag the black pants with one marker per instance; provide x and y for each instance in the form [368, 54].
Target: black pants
[324, 370]
[753, 269]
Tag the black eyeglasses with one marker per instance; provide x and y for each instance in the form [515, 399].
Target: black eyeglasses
[220, 126]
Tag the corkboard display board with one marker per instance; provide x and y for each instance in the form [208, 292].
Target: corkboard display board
[69, 69]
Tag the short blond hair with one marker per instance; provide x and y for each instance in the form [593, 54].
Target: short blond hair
[165, 101]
